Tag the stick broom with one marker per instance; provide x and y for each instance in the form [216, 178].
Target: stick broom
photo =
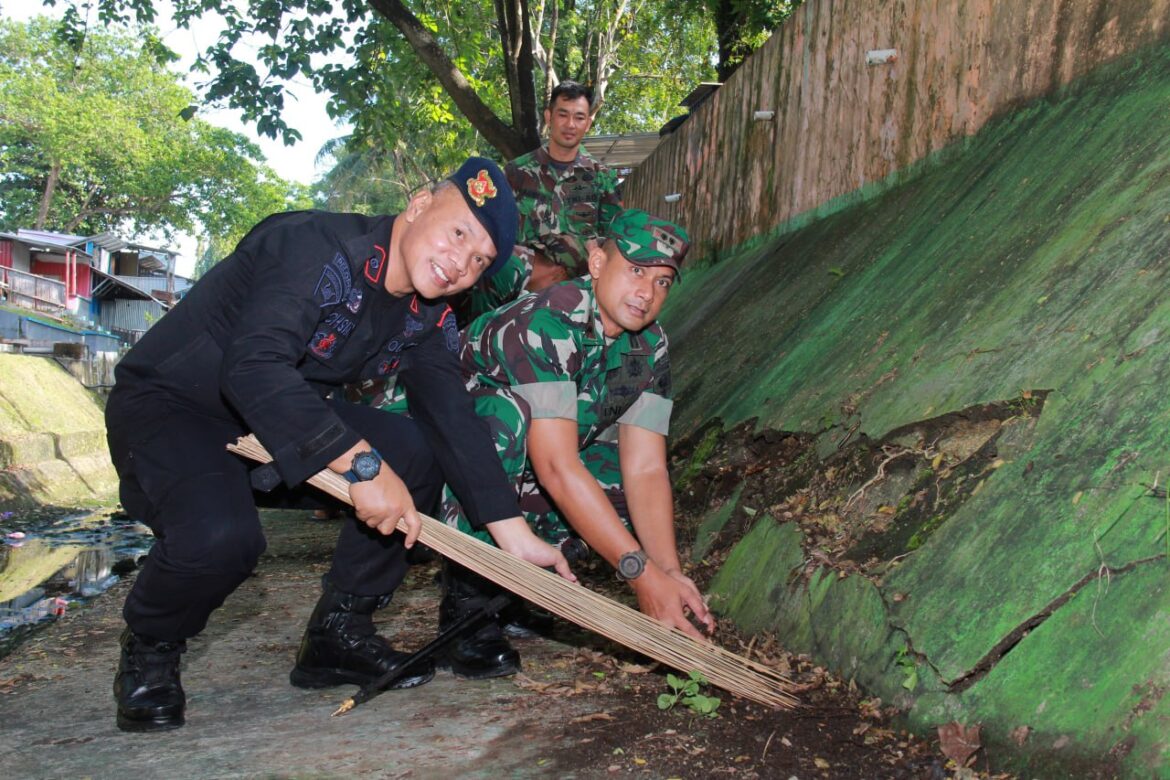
[588, 609]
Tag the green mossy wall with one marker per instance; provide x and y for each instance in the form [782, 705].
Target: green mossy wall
[1035, 255]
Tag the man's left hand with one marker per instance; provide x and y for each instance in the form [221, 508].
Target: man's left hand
[514, 536]
[694, 600]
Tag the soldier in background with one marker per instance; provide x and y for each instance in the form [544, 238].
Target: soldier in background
[574, 383]
[566, 198]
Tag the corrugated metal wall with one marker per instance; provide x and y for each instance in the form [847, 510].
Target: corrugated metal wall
[130, 317]
[841, 124]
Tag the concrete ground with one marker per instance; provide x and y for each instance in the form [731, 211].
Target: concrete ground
[243, 717]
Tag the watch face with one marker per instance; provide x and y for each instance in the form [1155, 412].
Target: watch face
[366, 465]
[631, 565]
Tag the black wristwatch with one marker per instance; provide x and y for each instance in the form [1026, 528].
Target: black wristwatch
[631, 565]
[365, 466]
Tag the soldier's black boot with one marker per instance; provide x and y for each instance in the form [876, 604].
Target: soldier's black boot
[522, 620]
[342, 647]
[483, 652]
[147, 687]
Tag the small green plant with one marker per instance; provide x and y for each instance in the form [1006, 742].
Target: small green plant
[686, 690]
[904, 661]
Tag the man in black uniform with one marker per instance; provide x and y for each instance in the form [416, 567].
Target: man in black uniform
[307, 303]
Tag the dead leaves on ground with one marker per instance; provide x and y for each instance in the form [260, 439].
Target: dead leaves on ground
[960, 743]
[595, 672]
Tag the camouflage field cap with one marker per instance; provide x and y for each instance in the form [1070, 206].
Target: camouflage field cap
[486, 192]
[644, 239]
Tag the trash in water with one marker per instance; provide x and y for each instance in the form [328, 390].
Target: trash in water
[51, 563]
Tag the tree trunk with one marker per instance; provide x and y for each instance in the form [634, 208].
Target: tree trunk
[726, 29]
[510, 140]
[47, 196]
[608, 38]
[519, 63]
[544, 55]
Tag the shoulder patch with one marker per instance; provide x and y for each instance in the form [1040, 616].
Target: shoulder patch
[450, 332]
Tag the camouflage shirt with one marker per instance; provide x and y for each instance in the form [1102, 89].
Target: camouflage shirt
[550, 350]
[562, 204]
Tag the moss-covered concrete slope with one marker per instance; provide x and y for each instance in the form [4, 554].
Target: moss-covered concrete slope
[52, 438]
[1033, 256]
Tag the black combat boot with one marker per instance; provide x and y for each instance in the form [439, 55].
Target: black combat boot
[341, 646]
[147, 688]
[524, 620]
[483, 652]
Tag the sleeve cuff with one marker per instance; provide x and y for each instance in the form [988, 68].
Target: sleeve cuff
[300, 460]
[488, 506]
[651, 412]
[549, 399]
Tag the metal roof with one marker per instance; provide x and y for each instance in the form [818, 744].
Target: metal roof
[702, 91]
[109, 286]
[621, 151]
[42, 241]
[107, 241]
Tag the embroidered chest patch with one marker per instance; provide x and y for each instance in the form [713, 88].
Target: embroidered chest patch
[336, 282]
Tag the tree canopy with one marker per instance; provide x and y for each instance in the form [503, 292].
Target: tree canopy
[96, 134]
[425, 82]
[445, 75]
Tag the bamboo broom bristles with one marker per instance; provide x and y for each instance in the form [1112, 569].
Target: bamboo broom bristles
[731, 672]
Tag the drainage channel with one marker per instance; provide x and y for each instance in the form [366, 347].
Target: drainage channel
[50, 564]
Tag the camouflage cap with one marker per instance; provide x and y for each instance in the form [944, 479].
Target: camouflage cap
[486, 192]
[644, 239]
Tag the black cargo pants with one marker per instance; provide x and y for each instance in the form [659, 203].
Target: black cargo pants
[177, 477]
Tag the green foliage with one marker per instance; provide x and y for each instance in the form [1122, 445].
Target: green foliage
[686, 691]
[742, 26]
[650, 54]
[700, 457]
[664, 55]
[909, 668]
[92, 139]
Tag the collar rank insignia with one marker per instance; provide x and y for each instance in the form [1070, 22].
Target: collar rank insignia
[481, 188]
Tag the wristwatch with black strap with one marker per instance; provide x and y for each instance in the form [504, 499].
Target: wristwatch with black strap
[365, 466]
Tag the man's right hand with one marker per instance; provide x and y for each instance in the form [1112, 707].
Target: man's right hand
[663, 597]
[514, 536]
[384, 500]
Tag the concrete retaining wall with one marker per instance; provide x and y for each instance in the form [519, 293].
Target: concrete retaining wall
[842, 125]
[52, 437]
[1032, 257]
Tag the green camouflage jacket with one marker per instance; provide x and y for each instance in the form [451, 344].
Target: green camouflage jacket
[562, 205]
[549, 349]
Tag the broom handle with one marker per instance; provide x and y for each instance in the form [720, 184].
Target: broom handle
[592, 611]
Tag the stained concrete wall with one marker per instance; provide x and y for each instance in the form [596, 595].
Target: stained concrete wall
[1034, 255]
[52, 438]
[842, 125]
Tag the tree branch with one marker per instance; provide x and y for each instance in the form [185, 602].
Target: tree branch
[506, 138]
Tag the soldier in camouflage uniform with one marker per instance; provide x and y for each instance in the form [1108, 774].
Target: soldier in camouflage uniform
[567, 200]
[574, 383]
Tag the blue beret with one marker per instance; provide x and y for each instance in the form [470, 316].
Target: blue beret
[486, 192]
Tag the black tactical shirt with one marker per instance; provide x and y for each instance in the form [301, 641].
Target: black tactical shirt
[298, 310]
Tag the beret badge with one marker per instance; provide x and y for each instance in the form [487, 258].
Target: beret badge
[481, 188]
